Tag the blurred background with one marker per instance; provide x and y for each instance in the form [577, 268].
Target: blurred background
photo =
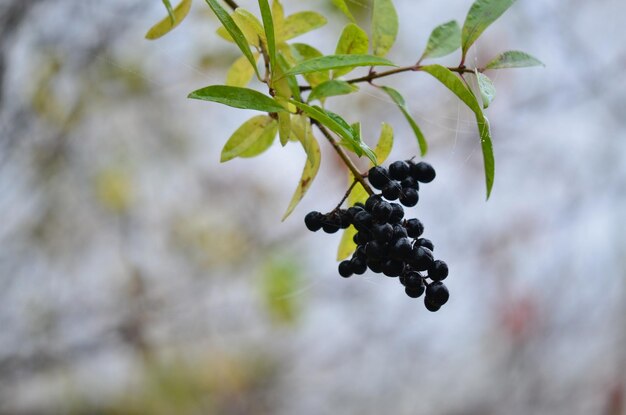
[139, 275]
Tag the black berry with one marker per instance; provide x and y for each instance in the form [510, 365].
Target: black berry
[397, 213]
[438, 293]
[313, 221]
[345, 269]
[409, 197]
[378, 177]
[399, 170]
[392, 191]
[425, 243]
[414, 292]
[414, 228]
[423, 172]
[358, 265]
[438, 271]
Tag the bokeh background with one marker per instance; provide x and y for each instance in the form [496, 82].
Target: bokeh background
[139, 275]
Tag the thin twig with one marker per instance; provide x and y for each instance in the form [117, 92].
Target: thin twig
[231, 4]
[354, 183]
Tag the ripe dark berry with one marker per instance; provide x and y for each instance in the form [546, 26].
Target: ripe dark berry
[430, 305]
[361, 237]
[398, 170]
[423, 172]
[393, 268]
[425, 243]
[438, 271]
[410, 183]
[358, 266]
[399, 232]
[375, 265]
[330, 227]
[360, 252]
[438, 293]
[383, 233]
[397, 213]
[371, 202]
[375, 249]
[414, 292]
[313, 221]
[409, 197]
[352, 211]
[392, 191]
[345, 269]
[382, 211]
[412, 279]
[414, 228]
[345, 219]
[421, 258]
[378, 177]
[363, 221]
[401, 250]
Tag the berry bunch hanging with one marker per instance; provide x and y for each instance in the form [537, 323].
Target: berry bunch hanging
[387, 243]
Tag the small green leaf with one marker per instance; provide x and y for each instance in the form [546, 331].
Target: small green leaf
[300, 23]
[480, 16]
[401, 103]
[513, 59]
[268, 25]
[170, 10]
[302, 52]
[353, 41]
[443, 40]
[487, 89]
[252, 138]
[384, 26]
[237, 97]
[174, 18]
[324, 63]
[234, 31]
[278, 15]
[454, 84]
[250, 26]
[241, 72]
[341, 5]
[284, 127]
[331, 89]
[283, 65]
[303, 130]
[358, 194]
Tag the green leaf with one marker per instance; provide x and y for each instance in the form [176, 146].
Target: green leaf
[401, 103]
[443, 40]
[252, 138]
[302, 52]
[280, 280]
[331, 89]
[250, 26]
[170, 10]
[241, 72]
[291, 79]
[454, 84]
[284, 127]
[487, 89]
[384, 26]
[341, 5]
[234, 31]
[238, 98]
[353, 41]
[358, 194]
[324, 63]
[174, 18]
[302, 129]
[268, 25]
[513, 59]
[480, 16]
[300, 23]
[278, 15]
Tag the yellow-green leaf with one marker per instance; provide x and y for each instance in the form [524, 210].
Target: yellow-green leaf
[480, 16]
[241, 72]
[252, 138]
[324, 63]
[300, 23]
[166, 24]
[301, 52]
[341, 5]
[303, 131]
[281, 279]
[513, 59]
[401, 103]
[268, 25]
[353, 41]
[250, 26]
[443, 40]
[331, 89]
[358, 194]
[284, 127]
[384, 26]
[237, 98]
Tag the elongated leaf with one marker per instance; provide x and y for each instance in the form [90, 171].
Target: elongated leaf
[238, 98]
[250, 26]
[278, 15]
[300, 23]
[341, 5]
[234, 31]
[353, 41]
[454, 84]
[358, 194]
[173, 19]
[241, 72]
[284, 127]
[513, 59]
[324, 63]
[384, 26]
[443, 40]
[303, 130]
[480, 16]
[252, 138]
[268, 25]
[291, 79]
[401, 103]
[331, 89]
[487, 89]
[170, 10]
[302, 52]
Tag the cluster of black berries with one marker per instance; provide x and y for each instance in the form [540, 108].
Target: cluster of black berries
[386, 242]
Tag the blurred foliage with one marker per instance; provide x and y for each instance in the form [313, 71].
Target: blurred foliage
[281, 287]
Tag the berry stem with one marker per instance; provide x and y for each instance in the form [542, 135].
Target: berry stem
[231, 4]
[348, 162]
[354, 182]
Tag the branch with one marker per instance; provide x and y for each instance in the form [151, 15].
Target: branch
[231, 4]
[348, 162]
